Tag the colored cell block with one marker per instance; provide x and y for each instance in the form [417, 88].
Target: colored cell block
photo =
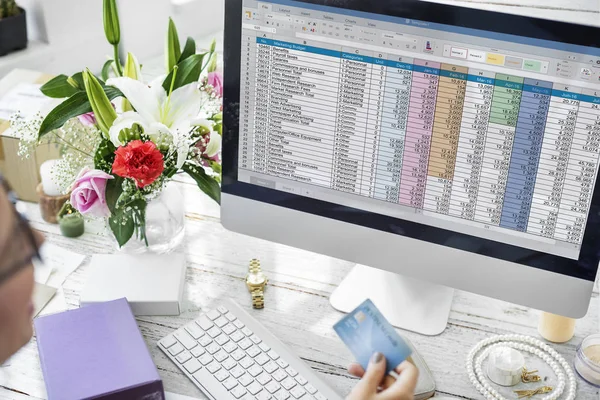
[532, 65]
[496, 59]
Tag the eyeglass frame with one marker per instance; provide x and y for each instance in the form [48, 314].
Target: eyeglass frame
[24, 226]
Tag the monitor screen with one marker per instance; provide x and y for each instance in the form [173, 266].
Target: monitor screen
[487, 134]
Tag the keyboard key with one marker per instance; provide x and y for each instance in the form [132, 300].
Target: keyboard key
[297, 392]
[198, 351]
[264, 378]
[221, 355]
[282, 395]
[254, 388]
[264, 347]
[291, 371]
[221, 375]
[213, 314]
[238, 324]
[230, 383]
[229, 329]
[246, 362]
[320, 396]
[288, 383]
[228, 363]
[222, 339]
[168, 341]
[279, 375]
[194, 330]
[237, 336]
[192, 366]
[214, 332]
[248, 396]
[186, 340]
[237, 371]
[221, 322]
[245, 379]
[238, 392]
[183, 357]
[244, 344]
[176, 349]
[230, 316]
[230, 347]
[272, 387]
[263, 396]
[310, 389]
[255, 370]
[282, 364]
[256, 340]
[238, 355]
[213, 348]
[222, 310]
[213, 367]
[273, 355]
[205, 341]
[204, 323]
[270, 367]
[247, 331]
[301, 380]
[253, 351]
[205, 359]
[262, 359]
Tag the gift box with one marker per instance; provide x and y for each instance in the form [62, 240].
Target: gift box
[19, 91]
[152, 283]
[96, 352]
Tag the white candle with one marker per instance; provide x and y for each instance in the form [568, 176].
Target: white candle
[47, 173]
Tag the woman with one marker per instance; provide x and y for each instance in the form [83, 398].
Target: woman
[19, 245]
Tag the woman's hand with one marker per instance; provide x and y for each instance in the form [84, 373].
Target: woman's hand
[375, 385]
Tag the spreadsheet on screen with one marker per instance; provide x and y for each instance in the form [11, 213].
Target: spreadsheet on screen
[492, 135]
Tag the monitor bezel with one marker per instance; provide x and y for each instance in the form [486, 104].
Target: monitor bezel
[584, 268]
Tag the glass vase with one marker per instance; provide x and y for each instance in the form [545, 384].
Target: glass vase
[165, 228]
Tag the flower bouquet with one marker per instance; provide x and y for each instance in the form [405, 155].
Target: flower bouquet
[124, 139]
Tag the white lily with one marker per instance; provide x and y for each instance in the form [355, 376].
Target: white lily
[214, 144]
[157, 112]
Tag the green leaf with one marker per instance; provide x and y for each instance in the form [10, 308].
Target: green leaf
[78, 79]
[122, 226]
[114, 188]
[106, 69]
[207, 184]
[188, 71]
[58, 88]
[74, 106]
[104, 158]
[188, 50]
[173, 46]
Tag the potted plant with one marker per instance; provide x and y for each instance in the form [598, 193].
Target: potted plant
[13, 27]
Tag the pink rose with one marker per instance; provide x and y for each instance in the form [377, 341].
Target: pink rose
[88, 119]
[88, 195]
[215, 79]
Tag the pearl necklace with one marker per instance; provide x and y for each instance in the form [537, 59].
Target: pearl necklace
[522, 343]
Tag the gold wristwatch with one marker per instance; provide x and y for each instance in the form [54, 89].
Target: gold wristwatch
[256, 282]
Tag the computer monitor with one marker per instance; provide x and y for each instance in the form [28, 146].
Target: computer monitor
[436, 145]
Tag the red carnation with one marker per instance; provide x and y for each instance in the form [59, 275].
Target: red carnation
[140, 161]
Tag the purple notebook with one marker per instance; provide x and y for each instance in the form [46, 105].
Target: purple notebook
[96, 352]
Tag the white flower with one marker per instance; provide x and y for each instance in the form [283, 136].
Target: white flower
[214, 145]
[159, 114]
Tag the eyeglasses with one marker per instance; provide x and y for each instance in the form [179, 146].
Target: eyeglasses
[22, 247]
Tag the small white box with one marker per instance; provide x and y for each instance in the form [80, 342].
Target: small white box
[153, 284]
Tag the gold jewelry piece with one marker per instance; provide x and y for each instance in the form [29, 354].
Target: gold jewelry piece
[256, 282]
[530, 393]
[528, 376]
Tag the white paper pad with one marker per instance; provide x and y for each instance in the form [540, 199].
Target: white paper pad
[25, 98]
[59, 263]
[174, 396]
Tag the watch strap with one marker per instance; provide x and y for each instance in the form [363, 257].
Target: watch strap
[258, 299]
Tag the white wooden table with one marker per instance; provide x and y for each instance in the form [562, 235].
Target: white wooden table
[298, 309]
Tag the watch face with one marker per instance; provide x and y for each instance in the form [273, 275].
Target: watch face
[256, 279]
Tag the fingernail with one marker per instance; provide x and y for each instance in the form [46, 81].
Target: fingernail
[377, 357]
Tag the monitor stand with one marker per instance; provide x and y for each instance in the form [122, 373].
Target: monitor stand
[407, 303]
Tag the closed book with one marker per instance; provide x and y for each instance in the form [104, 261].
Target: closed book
[96, 352]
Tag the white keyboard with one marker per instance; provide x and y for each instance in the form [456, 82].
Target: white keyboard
[229, 355]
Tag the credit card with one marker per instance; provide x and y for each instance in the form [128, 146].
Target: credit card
[365, 331]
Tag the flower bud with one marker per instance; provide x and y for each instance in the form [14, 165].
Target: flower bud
[103, 110]
[112, 29]
[132, 68]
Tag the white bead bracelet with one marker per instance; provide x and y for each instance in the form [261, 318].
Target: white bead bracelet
[522, 343]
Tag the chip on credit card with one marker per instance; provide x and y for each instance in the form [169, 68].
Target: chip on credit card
[366, 331]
